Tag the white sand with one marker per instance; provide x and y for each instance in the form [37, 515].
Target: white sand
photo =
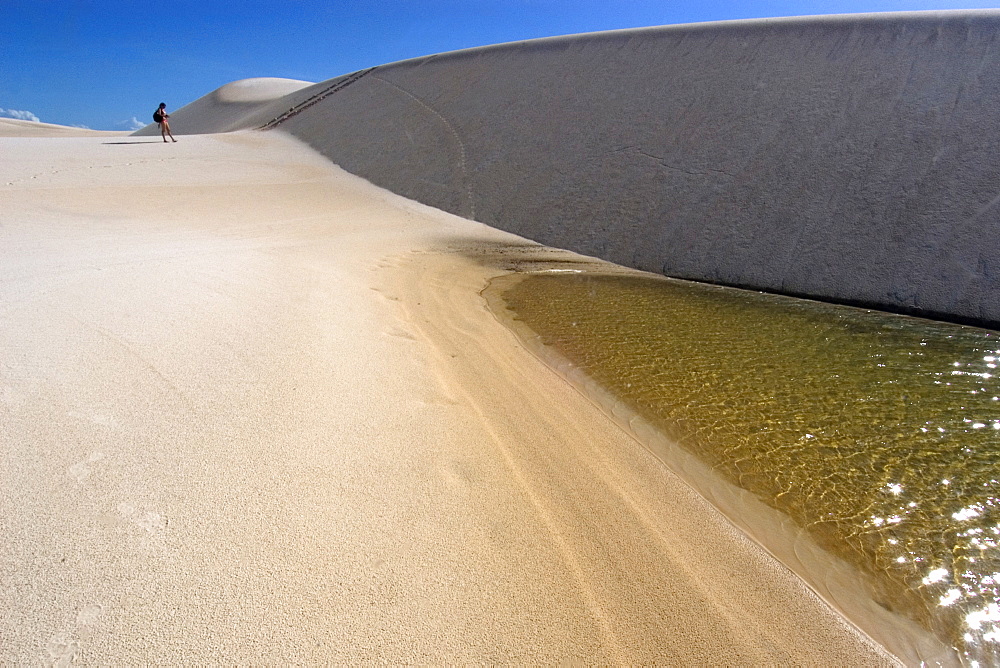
[238, 105]
[12, 127]
[259, 89]
[251, 413]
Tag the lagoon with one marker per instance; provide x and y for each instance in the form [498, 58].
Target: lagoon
[878, 435]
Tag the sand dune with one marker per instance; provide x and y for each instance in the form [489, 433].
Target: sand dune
[255, 411]
[849, 158]
[261, 89]
[248, 103]
[12, 127]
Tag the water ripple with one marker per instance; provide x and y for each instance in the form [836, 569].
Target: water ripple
[878, 433]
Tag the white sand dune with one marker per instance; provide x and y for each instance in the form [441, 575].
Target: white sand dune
[255, 411]
[806, 156]
[260, 89]
[12, 127]
[238, 105]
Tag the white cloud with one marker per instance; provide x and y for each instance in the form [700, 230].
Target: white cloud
[131, 124]
[19, 115]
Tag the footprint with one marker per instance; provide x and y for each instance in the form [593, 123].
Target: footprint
[458, 474]
[382, 293]
[8, 396]
[152, 522]
[89, 614]
[81, 471]
[103, 418]
[63, 649]
[401, 333]
[436, 399]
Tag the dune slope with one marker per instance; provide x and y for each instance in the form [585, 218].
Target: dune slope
[848, 158]
[238, 105]
[12, 127]
[255, 411]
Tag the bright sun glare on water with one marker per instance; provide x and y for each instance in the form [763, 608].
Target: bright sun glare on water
[880, 434]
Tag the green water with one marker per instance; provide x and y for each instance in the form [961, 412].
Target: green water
[879, 434]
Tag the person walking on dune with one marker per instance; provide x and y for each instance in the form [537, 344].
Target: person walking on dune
[161, 116]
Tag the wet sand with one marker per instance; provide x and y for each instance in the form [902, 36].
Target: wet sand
[255, 410]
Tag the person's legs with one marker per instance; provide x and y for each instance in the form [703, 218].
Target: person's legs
[163, 130]
[166, 126]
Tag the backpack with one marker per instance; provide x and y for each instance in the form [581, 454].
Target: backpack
[157, 116]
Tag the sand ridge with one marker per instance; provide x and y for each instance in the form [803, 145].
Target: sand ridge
[12, 127]
[256, 411]
[261, 89]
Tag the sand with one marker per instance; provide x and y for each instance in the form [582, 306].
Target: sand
[12, 127]
[238, 105]
[255, 410]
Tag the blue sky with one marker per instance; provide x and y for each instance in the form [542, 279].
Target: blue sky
[102, 63]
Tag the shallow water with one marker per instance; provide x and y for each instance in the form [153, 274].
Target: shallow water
[879, 434]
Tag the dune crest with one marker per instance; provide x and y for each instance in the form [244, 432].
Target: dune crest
[238, 105]
[259, 89]
[847, 158]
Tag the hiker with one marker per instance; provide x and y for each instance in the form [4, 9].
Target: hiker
[161, 116]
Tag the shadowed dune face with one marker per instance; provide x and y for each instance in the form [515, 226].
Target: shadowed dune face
[849, 158]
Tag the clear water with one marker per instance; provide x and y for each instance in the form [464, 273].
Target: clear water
[879, 434]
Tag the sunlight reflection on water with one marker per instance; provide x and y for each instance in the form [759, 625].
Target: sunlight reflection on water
[879, 434]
